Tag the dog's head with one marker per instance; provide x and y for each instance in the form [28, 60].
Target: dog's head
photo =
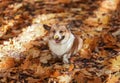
[58, 33]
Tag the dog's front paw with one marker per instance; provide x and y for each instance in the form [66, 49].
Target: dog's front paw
[65, 59]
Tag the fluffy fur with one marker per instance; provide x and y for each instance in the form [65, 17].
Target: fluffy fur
[62, 42]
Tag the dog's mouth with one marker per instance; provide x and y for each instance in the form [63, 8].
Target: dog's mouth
[57, 40]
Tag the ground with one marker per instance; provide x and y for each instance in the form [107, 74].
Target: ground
[24, 53]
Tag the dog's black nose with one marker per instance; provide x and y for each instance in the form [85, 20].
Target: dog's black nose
[56, 37]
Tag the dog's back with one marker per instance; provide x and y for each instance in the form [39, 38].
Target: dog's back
[77, 45]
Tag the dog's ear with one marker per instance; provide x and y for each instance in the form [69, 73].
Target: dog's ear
[69, 26]
[46, 27]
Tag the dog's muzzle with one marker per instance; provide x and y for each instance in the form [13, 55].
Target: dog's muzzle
[56, 37]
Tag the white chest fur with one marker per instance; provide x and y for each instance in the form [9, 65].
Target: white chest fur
[60, 49]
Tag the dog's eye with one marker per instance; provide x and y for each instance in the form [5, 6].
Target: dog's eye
[61, 31]
[53, 31]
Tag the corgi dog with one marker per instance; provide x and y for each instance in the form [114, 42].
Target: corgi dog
[62, 42]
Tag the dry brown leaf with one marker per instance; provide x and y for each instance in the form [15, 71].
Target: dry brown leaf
[85, 53]
[115, 64]
[6, 63]
[95, 80]
[56, 73]
[113, 79]
[40, 70]
[80, 78]
[109, 4]
[26, 64]
[71, 67]
[108, 39]
[64, 79]
[45, 57]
